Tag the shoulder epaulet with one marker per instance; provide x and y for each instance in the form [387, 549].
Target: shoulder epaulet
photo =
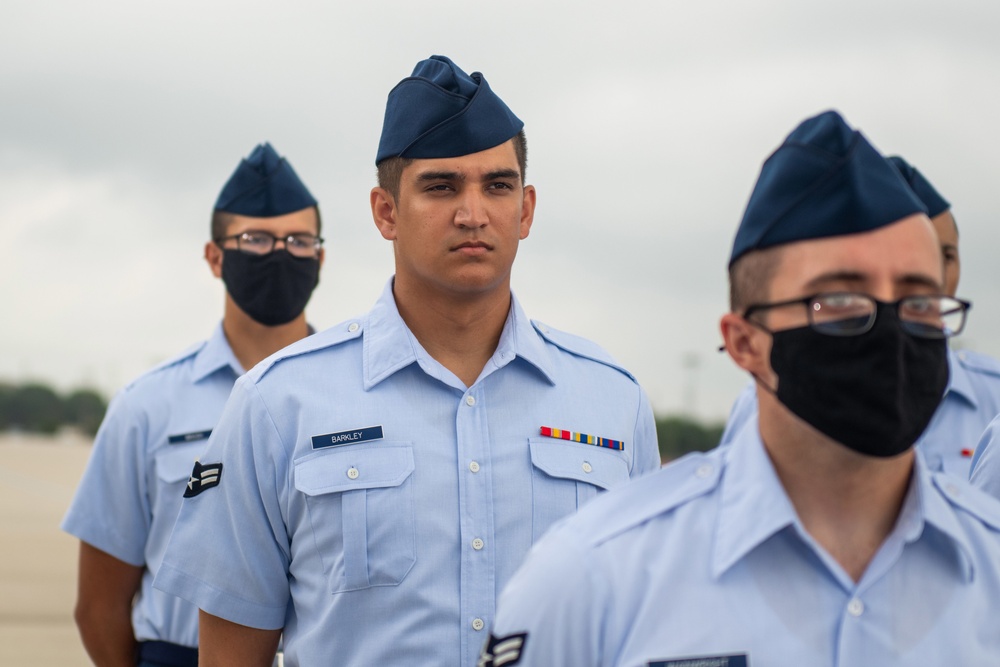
[335, 335]
[172, 361]
[651, 495]
[579, 346]
[966, 497]
[980, 363]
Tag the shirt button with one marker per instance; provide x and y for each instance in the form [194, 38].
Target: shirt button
[353, 327]
[470, 400]
[477, 624]
[478, 544]
[703, 471]
[855, 607]
[587, 467]
[353, 473]
[474, 467]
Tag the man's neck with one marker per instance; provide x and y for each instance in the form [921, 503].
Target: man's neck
[847, 501]
[252, 342]
[460, 332]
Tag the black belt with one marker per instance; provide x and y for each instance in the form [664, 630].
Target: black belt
[167, 654]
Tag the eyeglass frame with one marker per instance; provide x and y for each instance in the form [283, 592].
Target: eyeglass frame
[807, 301]
[317, 242]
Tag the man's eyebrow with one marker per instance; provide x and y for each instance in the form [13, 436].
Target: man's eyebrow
[502, 173]
[835, 276]
[917, 279]
[440, 176]
[920, 279]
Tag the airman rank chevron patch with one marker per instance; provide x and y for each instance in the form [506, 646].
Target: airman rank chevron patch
[561, 434]
[499, 651]
[203, 477]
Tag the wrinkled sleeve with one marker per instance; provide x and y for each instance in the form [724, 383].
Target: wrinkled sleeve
[986, 461]
[550, 613]
[743, 409]
[111, 509]
[647, 447]
[229, 550]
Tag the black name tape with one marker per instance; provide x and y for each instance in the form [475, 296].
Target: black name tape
[739, 660]
[351, 437]
[189, 437]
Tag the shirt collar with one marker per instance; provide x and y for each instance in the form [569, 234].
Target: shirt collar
[753, 503]
[754, 506]
[934, 510]
[213, 355]
[389, 346]
[958, 379]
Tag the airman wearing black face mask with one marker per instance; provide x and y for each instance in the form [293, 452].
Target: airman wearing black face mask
[972, 396]
[819, 536]
[266, 248]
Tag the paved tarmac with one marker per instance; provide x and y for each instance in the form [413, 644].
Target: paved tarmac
[38, 561]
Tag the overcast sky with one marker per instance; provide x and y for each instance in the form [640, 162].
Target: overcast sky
[647, 123]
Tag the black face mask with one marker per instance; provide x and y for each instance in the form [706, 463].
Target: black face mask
[874, 393]
[274, 288]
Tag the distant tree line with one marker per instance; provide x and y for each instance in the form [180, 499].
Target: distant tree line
[679, 435]
[37, 408]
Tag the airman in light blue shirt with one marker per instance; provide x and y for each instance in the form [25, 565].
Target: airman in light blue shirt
[125, 507]
[818, 538]
[130, 494]
[369, 490]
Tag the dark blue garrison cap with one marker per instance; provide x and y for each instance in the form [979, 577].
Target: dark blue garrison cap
[824, 180]
[932, 199]
[264, 185]
[440, 111]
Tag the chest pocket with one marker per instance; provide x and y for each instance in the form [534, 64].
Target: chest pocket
[360, 504]
[565, 475]
[174, 464]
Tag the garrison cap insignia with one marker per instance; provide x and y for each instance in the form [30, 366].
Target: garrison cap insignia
[502, 650]
[181, 438]
[704, 661]
[561, 434]
[203, 477]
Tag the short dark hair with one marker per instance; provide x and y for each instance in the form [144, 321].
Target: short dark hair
[390, 170]
[222, 219]
[750, 278]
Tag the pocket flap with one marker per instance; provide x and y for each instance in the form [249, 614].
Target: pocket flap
[350, 468]
[571, 460]
[175, 462]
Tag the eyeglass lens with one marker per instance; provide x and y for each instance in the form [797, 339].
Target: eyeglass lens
[848, 314]
[261, 243]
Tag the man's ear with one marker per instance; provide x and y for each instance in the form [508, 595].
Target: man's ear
[384, 212]
[527, 210]
[213, 255]
[749, 346]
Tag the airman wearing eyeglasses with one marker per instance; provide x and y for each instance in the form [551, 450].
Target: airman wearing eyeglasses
[818, 537]
[972, 398]
[267, 250]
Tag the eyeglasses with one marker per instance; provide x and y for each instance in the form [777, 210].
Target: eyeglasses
[261, 243]
[852, 314]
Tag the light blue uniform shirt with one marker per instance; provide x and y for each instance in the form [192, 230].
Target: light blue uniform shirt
[372, 505]
[131, 491]
[986, 464]
[970, 402]
[707, 561]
